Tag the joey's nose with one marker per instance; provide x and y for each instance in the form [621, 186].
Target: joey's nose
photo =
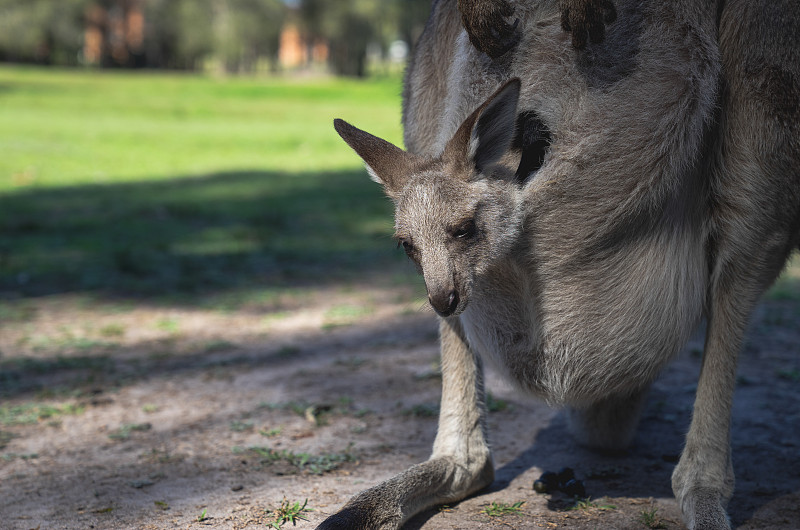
[445, 303]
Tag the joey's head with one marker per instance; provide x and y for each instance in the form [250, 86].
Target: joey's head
[458, 214]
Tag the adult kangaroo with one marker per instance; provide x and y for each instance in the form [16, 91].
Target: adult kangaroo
[575, 225]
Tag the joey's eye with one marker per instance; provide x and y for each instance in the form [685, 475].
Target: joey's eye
[465, 230]
[406, 244]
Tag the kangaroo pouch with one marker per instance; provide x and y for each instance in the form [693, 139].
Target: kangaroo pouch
[608, 276]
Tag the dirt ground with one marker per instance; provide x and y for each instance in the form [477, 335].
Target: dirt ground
[163, 433]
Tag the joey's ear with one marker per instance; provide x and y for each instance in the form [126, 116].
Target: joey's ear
[386, 163]
[487, 133]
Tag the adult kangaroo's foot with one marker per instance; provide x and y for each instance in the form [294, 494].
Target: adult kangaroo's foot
[461, 463]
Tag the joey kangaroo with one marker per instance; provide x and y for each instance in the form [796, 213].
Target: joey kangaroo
[669, 192]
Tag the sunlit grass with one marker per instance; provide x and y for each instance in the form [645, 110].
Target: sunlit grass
[66, 127]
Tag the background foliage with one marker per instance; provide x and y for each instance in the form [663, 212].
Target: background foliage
[188, 34]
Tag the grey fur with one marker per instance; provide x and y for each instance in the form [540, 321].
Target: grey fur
[671, 192]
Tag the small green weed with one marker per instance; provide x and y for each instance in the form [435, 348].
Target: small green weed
[501, 509]
[289, 512]
[113, 330]
[161, 456]
[298, 407]
[149, 408]
[271, 433]
[168, 324]
[587, 503]
[651, 519]
[494, 404]
[161, 505]
[343, 315]
[124, 432]
[298, 462]
[203, 516]
[241, 426]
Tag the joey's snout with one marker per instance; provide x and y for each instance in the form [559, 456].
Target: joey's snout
[444, 301]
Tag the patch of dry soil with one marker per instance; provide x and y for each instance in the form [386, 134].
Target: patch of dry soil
[231, 431]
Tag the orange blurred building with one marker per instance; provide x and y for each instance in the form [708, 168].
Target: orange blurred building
[295, 52]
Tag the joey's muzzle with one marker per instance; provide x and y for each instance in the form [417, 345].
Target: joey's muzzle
[444, 302]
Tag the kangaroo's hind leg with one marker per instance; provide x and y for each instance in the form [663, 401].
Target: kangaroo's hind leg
[755, 215]
[461, 463]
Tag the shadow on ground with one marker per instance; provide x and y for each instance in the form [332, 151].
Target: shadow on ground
[187, 237]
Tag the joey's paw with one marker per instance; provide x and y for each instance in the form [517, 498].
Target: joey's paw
[586, 19]
[489, 25]
[355, 517]
[702, 510]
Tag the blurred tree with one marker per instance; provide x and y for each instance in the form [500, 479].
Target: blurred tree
[183, 33]
[350, 28]
[41, 31]
[178, 33]
[193, 26]
[349, 33]
[311, 14]
[246, 30]
[238, 34]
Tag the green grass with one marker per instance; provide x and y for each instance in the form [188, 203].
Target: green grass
[30, 413]
[124, 431]
[650, 518]
[587, 503]
[173, 186]
[297, 462]
[68, 127]
[501, 509]
[289, 512]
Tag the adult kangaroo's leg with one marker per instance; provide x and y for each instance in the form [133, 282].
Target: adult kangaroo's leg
[703, 480]
[461, 463]
[755, 214]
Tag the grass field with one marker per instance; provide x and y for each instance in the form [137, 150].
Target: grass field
[169, 185]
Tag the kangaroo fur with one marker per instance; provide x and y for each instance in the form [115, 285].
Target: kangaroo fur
[665, 189]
